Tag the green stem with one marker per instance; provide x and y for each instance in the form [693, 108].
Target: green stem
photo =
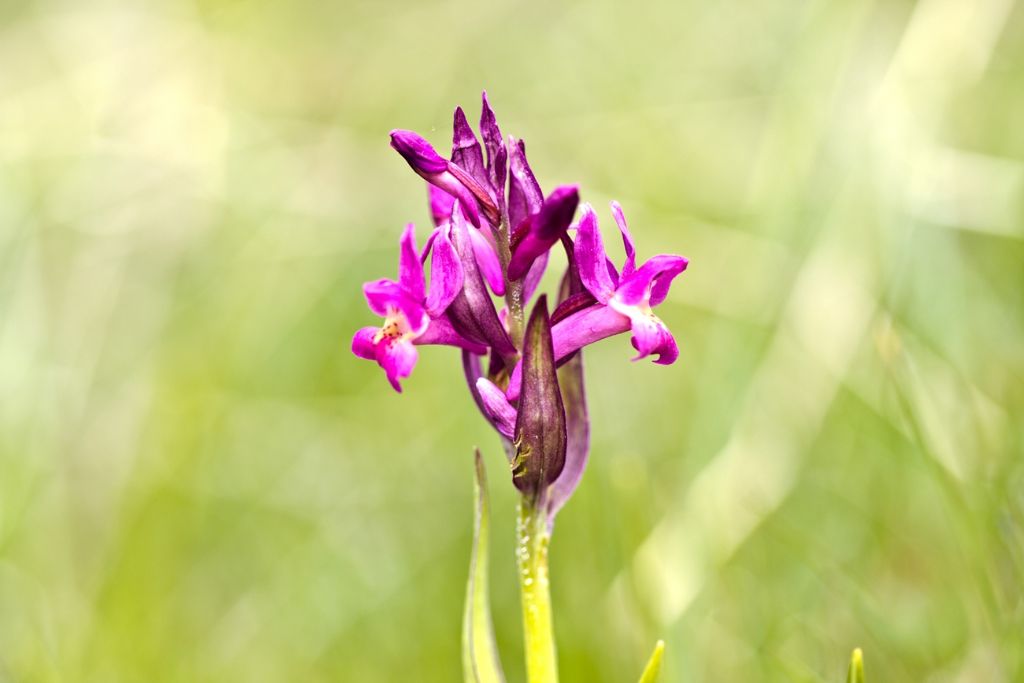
[532, 538]
[513, 290]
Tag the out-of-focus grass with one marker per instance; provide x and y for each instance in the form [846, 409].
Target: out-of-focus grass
[199, 483]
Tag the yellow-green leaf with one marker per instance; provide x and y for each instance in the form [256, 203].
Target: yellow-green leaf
[856, 674]
[653, 668]
[480, 662]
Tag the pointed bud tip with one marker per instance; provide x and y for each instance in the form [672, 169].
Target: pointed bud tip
[419, 153]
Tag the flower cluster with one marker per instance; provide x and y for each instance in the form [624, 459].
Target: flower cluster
[493, 232]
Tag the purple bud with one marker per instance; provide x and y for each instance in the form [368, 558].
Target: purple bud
[497, 155]
[540, 432]
[422, 157]
[466, 150]
[448, 176]
[524, 194]
[543, 230]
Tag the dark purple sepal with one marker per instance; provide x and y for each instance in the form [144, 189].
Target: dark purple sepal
[472, 311]
[524, 193]
[540, 432]
[466, 151]
[497, 155]
[543, 229]
[483, 198]
[572, 304]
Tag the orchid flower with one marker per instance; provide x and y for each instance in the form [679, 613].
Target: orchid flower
[613, 303]
[411, 317]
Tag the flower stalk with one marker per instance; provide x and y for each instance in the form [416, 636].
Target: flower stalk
[532, 539]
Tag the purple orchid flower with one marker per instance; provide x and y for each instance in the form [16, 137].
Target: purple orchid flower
[613, 303]
[411, 316]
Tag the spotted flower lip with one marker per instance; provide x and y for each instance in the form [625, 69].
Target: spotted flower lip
[622, 302]
[412, 316]
[447, 175]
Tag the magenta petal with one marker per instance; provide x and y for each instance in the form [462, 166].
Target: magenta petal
[466, 151]
[637, 288]
[497, 408]
[627, 240]
[454, 186]
[440, 205]
[487, 260]
[410, 270]
[398, 358]
[385, 297]
[472, 311]
[586, 327]
[429, 244]
[544, 229]
[419, 153]
[524, 194]
[497, 155]
[446, 276]
[591, 258]
[362, 343]
[663, 281]
[650, 336]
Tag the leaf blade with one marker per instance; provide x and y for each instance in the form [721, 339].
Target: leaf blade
[856, 673]
[480, 660]
[653, 668]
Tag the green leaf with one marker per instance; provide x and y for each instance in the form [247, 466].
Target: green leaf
[856, 674]
[480, 662]
[653, 668]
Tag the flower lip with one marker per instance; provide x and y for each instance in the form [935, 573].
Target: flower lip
[419, 153]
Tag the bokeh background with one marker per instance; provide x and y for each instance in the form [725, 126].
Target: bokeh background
[198, 482]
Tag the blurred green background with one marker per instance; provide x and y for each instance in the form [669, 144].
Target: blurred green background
[198, 482]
